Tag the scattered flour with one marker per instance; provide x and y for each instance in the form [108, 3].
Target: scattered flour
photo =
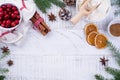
[101, 12]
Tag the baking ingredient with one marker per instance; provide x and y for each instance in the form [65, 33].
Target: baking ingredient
[52, 17]
[10, 63]
[115, 29]
[9, 16]
[103, 61]
[100, 13]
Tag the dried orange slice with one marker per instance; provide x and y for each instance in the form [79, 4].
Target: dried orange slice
[90, 28]
[91, 38]
[100, 41]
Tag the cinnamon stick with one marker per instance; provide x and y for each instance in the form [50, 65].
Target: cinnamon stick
[34, 20]
[41, 28]
[43, 23]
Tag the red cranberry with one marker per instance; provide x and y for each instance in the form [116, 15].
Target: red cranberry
[8, 22]
[1, 14]
[6, 17]
[14, 8]
[0, 18]
[8, 10]
[13, 16]
[10, 13]
[4, 7]
[18, 17]
[9, 6]
[1, 9]
[4, 22]
[2, 25]
[0, 22]
[17, 21]
[16, 12]
[5, 12]
[13, 24]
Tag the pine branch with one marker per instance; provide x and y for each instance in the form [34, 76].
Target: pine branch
[4, 70]
[117, 4]
[57, 3]
[4, 55]
[43, 5]
[114, 72]
[2, 77]
[115, 51]
[99, 77]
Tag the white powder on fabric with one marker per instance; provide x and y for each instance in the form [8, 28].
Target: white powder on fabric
[101, 12]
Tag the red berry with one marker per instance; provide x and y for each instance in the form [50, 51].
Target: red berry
[9, 6]
[8, 22]
[5, 12]
[4, 7]
[13, 24]
[16, 12]
[17, 22]
[0, 22]
[14, 8]
[1, 14]
[6, 17]
[10, 13]
[2, 25]
[8, 10]
[1, 9]
[13, 16]
[18, 17]
[0, 18]
[4, 22]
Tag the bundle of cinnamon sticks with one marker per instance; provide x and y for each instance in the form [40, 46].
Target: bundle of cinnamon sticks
[40, 24]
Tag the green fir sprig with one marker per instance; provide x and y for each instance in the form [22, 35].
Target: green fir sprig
[43, 5]
[117, 4]
[4, 53]
[3, 70]
[114, 72]
[99, 77]
[2, 77]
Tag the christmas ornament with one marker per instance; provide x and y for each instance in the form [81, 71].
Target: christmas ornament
[52, 17]
[65, 14]
[43, 5]
[103, 61]
[70, 2]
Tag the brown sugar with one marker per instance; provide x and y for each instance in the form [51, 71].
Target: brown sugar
[115, 29]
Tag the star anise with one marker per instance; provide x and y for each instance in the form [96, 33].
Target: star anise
[10, 63]
[103, 61]
[52, 17]
[5, 50]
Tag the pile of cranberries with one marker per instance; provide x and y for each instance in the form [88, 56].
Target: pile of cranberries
[9, 16]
